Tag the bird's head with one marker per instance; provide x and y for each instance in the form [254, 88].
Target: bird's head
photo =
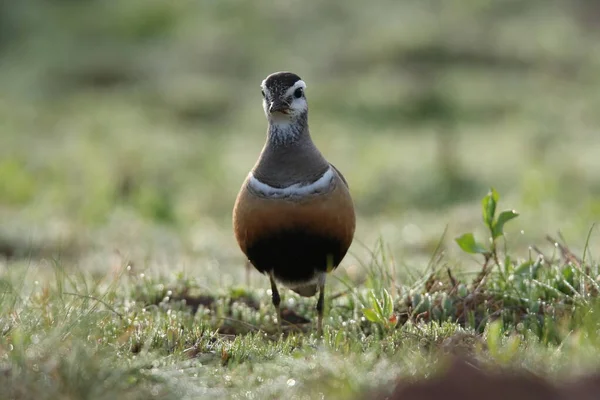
[284, 101]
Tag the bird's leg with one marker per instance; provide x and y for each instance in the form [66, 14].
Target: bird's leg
[276, 300]
[321, 305]
[248, 265]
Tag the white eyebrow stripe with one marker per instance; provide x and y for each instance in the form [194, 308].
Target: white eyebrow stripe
[296, 190]
[298, 84]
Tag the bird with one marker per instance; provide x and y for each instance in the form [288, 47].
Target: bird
[294, 216]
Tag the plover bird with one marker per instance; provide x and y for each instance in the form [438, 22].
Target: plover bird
[293, 217]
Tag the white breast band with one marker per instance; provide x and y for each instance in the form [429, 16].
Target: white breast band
[296, 190]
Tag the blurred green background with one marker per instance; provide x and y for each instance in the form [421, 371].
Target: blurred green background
[127, 127]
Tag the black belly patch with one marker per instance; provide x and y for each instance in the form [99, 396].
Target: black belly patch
[295, 255]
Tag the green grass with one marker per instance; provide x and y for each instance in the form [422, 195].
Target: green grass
[130, 335]
[126, 130]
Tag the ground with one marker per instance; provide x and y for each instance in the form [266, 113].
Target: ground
[127, 130]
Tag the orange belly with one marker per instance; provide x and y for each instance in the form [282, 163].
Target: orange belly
[295, 238]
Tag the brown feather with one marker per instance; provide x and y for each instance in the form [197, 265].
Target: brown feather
[329, 216]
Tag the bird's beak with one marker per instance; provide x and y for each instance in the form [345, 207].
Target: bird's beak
[279, 106]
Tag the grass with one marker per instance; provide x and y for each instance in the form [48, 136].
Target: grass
[127, 129]
[130, 335]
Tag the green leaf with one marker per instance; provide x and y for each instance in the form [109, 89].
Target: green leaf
[494, 337]
[462, 290]
[511, 349]
[468, 244]
[524, 269]
[508, 264]
[488, 205]
[569, 275]
[388, 304]
[376, 305]
[371, 315]
[503, 218]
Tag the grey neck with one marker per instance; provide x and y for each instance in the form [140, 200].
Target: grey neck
[289, 156]
[288, 133]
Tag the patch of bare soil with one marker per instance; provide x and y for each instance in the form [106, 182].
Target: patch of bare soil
[464, 379]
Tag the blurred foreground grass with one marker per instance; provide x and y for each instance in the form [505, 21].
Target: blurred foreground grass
[126, 129]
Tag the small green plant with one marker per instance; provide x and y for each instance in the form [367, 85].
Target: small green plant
[381, 312]
[495, 226]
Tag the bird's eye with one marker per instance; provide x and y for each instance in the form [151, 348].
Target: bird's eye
[298, 93]
[263, 93]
